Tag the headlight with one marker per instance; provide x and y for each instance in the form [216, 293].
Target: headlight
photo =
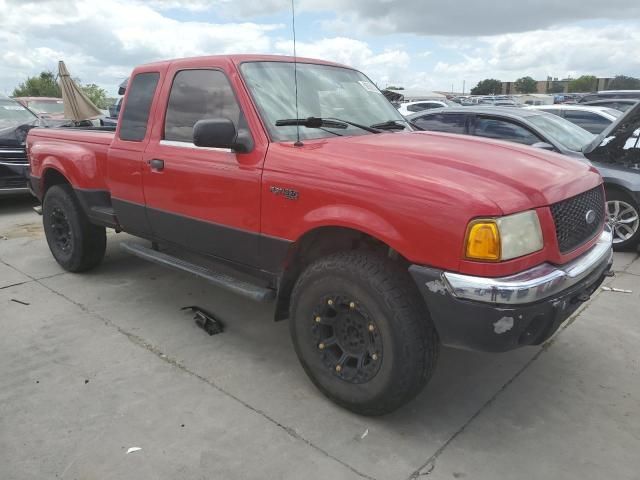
[503, 238]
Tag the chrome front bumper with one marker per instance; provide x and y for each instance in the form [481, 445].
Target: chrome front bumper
[532, 285]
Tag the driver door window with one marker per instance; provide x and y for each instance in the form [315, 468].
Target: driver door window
[196, 95]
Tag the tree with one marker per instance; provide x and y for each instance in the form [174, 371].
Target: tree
[96, 94]
[555, 87]
[393, 87]
[43, 85]
[585, 83]
[488, 86]
[622, 82]
[526, 85]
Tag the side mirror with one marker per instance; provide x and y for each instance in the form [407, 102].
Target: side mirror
[544, 146]
[218, 133]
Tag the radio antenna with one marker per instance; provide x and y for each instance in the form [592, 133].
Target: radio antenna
[298, 143]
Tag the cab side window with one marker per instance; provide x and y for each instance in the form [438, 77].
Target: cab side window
[197, 95]
[136, 111]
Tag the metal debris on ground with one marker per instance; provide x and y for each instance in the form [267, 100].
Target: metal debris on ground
[133, 449]
[366, 432]
[206, 320]
[20, 302]
[617, 290]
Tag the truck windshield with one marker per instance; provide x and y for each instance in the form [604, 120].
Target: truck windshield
[323, 92]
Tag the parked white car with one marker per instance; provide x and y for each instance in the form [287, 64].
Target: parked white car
[592, 119]
[407, 108]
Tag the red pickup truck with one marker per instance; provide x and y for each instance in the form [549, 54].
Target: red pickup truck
[377, 242]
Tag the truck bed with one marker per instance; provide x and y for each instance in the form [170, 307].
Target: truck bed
[99, 135]
[80, 152]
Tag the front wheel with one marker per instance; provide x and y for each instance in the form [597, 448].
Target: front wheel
[623, 216]
[362, 332]
[76, 244]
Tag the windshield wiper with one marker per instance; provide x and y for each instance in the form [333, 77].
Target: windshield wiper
[311, 122]
[389, 125]
[325, 122]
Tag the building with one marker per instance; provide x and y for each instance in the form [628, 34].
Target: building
[543, 86]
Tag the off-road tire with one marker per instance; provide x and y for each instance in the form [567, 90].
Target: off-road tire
[388, 296]
[87, 242]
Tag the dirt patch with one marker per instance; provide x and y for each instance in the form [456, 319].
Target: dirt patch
[22, 230]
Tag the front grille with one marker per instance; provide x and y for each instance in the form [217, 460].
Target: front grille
[13, 155]
[13, 182]
[570, 217]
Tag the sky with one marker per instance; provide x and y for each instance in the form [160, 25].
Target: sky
[434, 45]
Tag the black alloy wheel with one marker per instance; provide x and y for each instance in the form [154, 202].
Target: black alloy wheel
[61, 230]
[348, 340]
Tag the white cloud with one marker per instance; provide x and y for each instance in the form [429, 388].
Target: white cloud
[558, 52]
[102, 41]
[431, 17]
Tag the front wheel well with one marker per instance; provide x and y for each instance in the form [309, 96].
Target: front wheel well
[321, 242]
[52, 177]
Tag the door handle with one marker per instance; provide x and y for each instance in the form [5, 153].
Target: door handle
[156, 164]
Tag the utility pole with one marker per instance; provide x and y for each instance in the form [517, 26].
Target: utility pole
[463, 82]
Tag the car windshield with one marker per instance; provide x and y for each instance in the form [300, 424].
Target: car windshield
[13, 114]
[47, 106]
[569, 135]
[323, 91]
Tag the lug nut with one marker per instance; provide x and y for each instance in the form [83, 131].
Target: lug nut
[352, 305]
[371, 327]
[321, 346]
[338, 368]
[374, 356]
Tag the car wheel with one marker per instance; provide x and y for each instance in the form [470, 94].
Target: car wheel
[362, 332]
[623, 216]
[76, 244]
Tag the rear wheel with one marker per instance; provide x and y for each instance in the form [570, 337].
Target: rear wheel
[623, 216]
[362, 332]
[76, 244]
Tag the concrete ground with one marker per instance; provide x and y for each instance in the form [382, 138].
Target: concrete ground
[93, 364]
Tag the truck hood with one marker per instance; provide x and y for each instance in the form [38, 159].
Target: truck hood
[494, 176]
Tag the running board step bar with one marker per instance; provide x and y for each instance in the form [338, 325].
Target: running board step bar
[249, 290]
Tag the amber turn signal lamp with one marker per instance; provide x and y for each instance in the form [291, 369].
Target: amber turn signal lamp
[483, 241]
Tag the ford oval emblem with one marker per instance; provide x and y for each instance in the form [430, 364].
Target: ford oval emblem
[590, 217]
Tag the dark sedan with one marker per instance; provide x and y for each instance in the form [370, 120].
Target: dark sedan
[615, 152]
[15, 122]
